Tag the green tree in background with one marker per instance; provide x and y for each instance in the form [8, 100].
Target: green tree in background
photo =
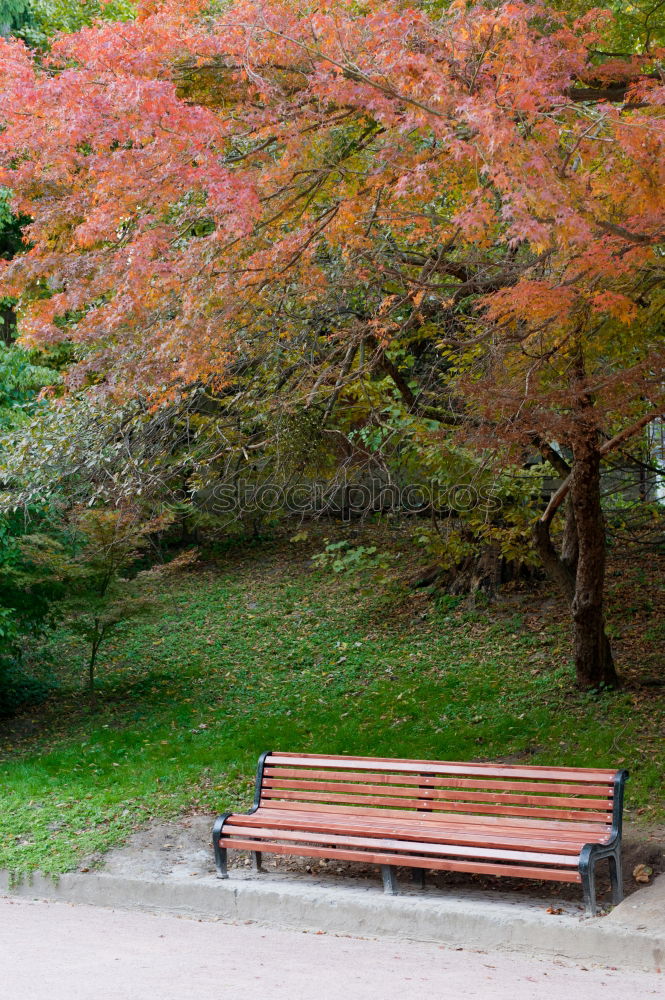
[14, 15]
[38, 20]
[637, 27]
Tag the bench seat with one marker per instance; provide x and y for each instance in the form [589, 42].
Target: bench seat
[532, 822]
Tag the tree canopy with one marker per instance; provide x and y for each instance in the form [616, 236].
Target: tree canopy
[189, 178]
[465, 198]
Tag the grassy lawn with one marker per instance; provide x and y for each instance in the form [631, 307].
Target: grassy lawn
[263, 652]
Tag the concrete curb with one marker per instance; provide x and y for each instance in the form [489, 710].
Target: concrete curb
[480, 921]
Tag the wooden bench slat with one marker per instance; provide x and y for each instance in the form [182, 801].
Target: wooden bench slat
[478, 807]
[483, 838]
[440, 781]
[481, 868]
[590, 827]
[261, 834]
[471, 824]
[438, 794]
[592, 775]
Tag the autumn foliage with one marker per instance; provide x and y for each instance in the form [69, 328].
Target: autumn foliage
[163, 220]
[206, 188]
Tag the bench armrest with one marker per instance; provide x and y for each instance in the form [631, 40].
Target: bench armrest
[258, 787]
[619, 783]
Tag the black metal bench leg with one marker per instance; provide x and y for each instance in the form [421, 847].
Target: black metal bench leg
[616, 877]
[389, 880]
[587, 869]
[257, 859]
[220, 852]
[220, 861]
[418, 877]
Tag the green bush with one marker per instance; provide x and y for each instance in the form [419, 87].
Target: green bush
[33, 575]
[17, 687]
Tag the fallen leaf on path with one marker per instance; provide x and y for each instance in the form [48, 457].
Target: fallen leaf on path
[642, 873]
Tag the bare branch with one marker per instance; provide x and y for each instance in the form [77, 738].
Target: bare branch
[560, 495]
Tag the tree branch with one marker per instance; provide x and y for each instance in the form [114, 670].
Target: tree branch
[560, 495]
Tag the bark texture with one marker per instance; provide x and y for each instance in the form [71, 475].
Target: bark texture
[594, 664]
[579, 567]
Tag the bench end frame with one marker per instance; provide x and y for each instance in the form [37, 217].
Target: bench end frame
[591, 854]
[220, 852]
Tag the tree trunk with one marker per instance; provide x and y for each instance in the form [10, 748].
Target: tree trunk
[594, 665]
[555, 566]
[7, 323]
[579, 569]
[96, 640]
[482, 572]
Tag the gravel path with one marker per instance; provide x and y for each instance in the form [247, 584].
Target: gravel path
[72, 952]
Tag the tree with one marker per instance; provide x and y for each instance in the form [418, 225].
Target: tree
[110, 543]
[325, 187]
[97, 621]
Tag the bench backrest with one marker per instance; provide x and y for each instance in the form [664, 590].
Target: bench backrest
[517, 794]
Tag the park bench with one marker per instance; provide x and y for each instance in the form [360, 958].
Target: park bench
[551, 823]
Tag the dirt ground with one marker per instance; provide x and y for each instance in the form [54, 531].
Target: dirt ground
[183, 849]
